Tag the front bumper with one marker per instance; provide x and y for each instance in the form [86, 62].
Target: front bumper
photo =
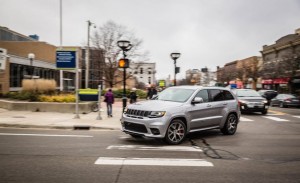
[144, 126]
[253, 107]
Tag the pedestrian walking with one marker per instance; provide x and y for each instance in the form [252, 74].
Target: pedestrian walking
[151, 92]
[133, 96]
[109, 99]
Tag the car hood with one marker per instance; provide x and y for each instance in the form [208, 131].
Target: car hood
[154, 105]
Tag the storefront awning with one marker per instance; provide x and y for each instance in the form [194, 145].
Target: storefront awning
[275, 81]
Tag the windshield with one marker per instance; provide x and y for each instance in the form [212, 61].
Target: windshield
[247, 93]
[175, 94]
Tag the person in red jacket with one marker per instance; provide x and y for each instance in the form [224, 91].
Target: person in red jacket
[109, 99]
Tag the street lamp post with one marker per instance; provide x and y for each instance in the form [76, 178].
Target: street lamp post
[125, 46]
[175, 56]
[31, 56]
[87, 56]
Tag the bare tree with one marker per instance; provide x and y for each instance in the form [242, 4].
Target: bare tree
[106, 38]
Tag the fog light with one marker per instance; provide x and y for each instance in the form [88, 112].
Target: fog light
[155, 131]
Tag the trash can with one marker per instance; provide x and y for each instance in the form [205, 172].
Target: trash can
[88, 94]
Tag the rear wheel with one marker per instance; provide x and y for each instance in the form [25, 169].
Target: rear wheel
[176, 132]
[230, 125]
[94, 107]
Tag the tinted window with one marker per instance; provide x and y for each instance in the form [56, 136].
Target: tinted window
[216, 95]
[227, 95]
[203, 94]
[175, 94]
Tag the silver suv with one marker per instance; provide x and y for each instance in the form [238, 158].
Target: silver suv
[179, 110]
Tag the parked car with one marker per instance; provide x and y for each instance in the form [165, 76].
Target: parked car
[286, 100]
[268, 94]
[180, 110]
[251, 101]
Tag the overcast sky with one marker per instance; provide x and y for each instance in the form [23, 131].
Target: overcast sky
[206, 32]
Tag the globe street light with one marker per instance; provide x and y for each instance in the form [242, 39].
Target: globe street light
[124, 63]
[31, 56]
[175, 56]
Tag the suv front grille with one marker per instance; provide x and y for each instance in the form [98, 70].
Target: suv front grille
[135, 127]
[137, 113]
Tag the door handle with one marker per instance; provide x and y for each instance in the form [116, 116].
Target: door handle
[225, 104]
[208, 105]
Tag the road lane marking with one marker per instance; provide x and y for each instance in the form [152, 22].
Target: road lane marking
[275, 118]
[245, 119]
[152, 161]
[155, 148]
[276, 112]
[296, 116]
[43, 135]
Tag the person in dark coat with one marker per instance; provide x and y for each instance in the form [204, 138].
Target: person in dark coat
[151, 92]
[109, 99]
[133, 96]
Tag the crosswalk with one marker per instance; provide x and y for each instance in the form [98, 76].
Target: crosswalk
[142, 161]
[272, 117]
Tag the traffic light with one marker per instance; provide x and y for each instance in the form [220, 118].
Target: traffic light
[123, 63]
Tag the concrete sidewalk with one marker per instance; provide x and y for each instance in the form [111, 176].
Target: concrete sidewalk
[55, 120]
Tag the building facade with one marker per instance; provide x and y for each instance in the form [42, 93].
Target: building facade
[144, 72]
[281, 64]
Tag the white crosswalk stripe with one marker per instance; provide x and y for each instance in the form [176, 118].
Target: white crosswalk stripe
[152, 161]
[275, 118]
[155, 148]
[296, 116]
[245, 119]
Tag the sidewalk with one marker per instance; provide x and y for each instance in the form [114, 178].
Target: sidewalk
[55, 120]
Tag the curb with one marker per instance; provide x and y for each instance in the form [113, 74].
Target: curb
[74, 127]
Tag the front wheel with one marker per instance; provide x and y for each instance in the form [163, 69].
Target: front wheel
[230, 125]
[176, 132]
[264, 112]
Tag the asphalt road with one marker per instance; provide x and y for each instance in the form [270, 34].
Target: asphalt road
[263, 150]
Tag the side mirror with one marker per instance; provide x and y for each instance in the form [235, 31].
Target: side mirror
[197, 100]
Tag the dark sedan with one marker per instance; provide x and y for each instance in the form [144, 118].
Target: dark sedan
[286, 100]
[251, 101]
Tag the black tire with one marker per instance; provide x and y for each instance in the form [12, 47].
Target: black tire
[230, 125]
[176, 132]
[264, 112]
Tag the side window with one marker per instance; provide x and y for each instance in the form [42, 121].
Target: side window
[203, 94]
[216, 95]
[227, 95]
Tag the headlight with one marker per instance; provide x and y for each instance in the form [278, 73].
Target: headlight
[156, 114]
[243, 101]
[265, 101]
[125, 110]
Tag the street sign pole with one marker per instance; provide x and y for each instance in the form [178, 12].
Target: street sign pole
[77, 88]
[99, 103]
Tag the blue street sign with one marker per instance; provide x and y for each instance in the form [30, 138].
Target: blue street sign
[65, 59]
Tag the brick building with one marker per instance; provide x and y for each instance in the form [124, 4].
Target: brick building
[281, 64]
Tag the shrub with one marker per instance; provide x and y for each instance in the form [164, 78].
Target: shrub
[39, 85]
[57, 98]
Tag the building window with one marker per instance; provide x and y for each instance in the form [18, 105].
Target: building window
[149, 80]
[149, 72]
[141, 70]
